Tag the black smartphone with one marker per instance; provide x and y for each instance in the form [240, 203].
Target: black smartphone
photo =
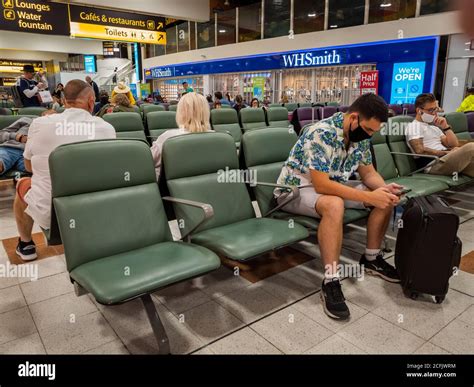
[404, 191]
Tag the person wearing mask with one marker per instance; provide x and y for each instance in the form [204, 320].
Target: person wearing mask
[430, 134]
[239, 103]
[94, 87]
[59, 92]
[29, 88]
[33, 195]
[467, 104]
[321, 162]
[120, 103]
[255, 103]
[122, 88]
[192, 116]
[186, 88]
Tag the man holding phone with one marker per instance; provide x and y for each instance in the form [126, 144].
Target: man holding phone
[29, 88]
[430, 134]
[321, 163]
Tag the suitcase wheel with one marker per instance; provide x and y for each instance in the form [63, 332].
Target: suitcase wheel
[411, 294]
[439, 299]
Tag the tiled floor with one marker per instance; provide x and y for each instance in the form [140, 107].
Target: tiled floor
[221, 313]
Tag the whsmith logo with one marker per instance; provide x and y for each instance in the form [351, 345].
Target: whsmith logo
[309, 59]
[159, 73]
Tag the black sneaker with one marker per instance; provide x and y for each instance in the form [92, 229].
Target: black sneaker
[26, 250]
[380, 267]
[333, 300]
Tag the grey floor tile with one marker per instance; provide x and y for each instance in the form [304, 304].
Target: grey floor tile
[220, 282]
[87, 332]
[131, 324]
[423, 317]
[288, 286]
[6, 282]
[430, 349]
[11, 298]
[463, 282]
[335, 345]
[243, 342]
[210, 321]
[46, 288]
[28, 345]
[204, 351]
[16, 324]
[250, 303]
[467, 315]
[457, 337]
[181, 297]
[312, 307]
[291, 331]
[115, 347]
[61, 310]
[48, 267]
[375, 335]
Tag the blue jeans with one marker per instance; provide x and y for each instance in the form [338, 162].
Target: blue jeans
[11, 158]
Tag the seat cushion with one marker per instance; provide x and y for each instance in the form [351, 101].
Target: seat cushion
[419, 187]
[249, 238]
[445, 179]
[149, 268]
[350, 216]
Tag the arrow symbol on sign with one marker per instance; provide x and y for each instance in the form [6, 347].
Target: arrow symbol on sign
[160, 37]
[160, 25]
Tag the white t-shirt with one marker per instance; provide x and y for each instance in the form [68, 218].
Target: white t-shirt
[45, 135]
[430, 134]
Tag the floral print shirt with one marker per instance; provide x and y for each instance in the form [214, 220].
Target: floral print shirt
[321, 147]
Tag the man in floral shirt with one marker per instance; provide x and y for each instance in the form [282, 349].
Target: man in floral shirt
[321, 163]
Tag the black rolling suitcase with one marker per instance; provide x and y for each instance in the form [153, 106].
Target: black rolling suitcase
[428, 250]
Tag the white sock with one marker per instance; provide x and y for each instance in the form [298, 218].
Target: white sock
[330, 277]
[371, 254]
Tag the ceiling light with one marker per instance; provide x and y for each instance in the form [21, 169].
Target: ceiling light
[385, 5]
[312, 14]
[221, 31]
[333, 26]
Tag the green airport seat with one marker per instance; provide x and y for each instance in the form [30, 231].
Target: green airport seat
[278, 117]
[252, 118]
[306, 105]
[160, 122]
[272, 105]
[291, 107]
[226, 106]
[405, 162]
[195, 168]
[387, 167]
[126, 125]
[31, 111]
[119, 247]
[459, 123]
[265, 151]
[333, 103]
[172, 108]
[5, 112]
[148, 108]
[8, 120]
[227, 121]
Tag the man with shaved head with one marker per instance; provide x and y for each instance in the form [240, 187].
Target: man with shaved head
[75, 124]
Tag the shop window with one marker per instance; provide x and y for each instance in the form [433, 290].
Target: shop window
[387, 10]
[226, 27]
[183, 37]
[309, 16]
[436, 6]
[206, 33]
[171, 44]
[250, 21]
[277, 18]
[346, 13]
[192, 35]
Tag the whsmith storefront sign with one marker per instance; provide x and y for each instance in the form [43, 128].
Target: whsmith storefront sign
[42, 17]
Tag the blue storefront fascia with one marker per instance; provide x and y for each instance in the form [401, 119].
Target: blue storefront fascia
[384, 54]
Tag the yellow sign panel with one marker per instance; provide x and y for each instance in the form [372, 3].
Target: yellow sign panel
[14, 69]
[96, 31]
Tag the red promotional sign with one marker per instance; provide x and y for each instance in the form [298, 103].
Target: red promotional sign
[369, 82]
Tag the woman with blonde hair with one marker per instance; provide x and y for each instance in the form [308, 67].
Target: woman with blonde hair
[192, 116]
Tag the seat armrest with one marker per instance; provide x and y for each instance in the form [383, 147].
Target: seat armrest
[295, 193]
[205, 207]
[435, 160]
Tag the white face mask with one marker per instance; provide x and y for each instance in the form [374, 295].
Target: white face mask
[428, 118]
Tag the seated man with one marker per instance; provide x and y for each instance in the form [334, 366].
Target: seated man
[12, 143]
[321, 163]
[33, 197]
[431, 135]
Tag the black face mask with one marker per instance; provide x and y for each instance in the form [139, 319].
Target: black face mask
[358, 134]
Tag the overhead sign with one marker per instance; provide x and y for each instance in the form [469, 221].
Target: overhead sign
[160, 72]
[369, 82]
[9, 66]
[111, 49]
[311, 59]
[86, 22]
[89, 64]
[407, 82]
[35, 16]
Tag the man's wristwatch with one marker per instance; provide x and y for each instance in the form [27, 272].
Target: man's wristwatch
[446, 129]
